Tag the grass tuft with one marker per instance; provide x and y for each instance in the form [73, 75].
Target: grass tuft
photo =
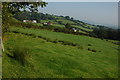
[21, 54]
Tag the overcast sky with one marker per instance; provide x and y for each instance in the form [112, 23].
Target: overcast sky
[104, 13]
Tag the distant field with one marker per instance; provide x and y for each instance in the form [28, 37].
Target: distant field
[64, 21]
[42, 21]
[48, 59]
[37, 24]
[58, 25]
[86, 25]
[78, 26]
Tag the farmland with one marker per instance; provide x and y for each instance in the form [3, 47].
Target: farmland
[57, 21]
[50, 59]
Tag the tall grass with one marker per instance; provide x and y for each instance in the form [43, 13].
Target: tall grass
[21, 54]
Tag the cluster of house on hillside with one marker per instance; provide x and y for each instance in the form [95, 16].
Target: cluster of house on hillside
[50, 23]
[75, 29]
[34, 21]
[31, 21]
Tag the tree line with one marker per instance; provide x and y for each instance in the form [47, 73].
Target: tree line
[106, 33]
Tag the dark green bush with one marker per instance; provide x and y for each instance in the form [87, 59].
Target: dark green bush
[89, 49]
[15, 31]
[48, 40]
[80, 47]
[64, 42]
[93, 50]
[55, 41]
[21, 54]
[89, 45]
[73, 44]
[39, 36]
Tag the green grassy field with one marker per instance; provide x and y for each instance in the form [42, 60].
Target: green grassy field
[78, 26]
[58, 25]
[42, 21]
[64, 21]
[54, 60]
[90, 26]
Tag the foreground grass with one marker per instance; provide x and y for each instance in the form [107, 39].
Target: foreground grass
[53, 60]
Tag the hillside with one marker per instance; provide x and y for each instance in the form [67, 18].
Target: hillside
[57, 55]
[57, 21]
[66, 24]
[38, 45]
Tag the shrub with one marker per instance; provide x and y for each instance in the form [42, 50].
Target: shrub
[99, 51]
[26, 33]
[73, 44]
[39, 36]
[21, 54]
[55, 41]
[22, 33]
[60, 41]
[94, 50]
[33, 35]
[89, 49]
[15, 31]
[69, 43]
[44, 38]
[106, 40]
[30, 34]
[64, 43]
[80, 47]
[89, 45]
[48, 40]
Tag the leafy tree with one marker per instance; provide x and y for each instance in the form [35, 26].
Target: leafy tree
[59, 22]
[67, 25]
[67, 17]
[72, 18]
[106, 33]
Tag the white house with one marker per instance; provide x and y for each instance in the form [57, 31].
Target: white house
[34, 21]
[31, 21]
[75, 30]
[24, 20]
[45, 23]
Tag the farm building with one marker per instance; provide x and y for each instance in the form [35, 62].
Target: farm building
[30, 21]
[75, 29]
[47, 23]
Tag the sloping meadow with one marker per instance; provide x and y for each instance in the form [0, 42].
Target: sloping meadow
[45, 54]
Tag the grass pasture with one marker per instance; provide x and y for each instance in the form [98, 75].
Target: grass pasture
[54, 60]
[58, 25]
[64, 21]
[78, 26]
[90, 26]
[42, 21]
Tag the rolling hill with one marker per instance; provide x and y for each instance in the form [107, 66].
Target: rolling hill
[57, 55]
[38, 51]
